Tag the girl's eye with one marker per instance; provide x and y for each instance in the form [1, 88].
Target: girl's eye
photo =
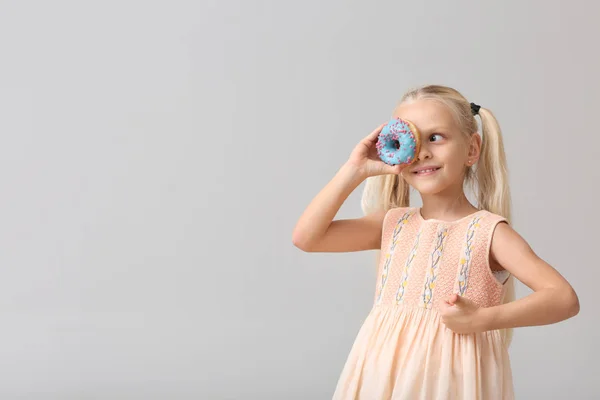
[431, 138]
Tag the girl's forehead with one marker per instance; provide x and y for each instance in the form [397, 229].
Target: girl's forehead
[425, 114]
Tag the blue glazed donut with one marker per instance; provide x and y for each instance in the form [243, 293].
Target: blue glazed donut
[398, 142]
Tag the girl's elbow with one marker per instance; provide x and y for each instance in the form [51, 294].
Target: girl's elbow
[573, 303]
[300, 242]
[576, 306]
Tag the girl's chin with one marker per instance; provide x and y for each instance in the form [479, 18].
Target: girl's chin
[427, 188]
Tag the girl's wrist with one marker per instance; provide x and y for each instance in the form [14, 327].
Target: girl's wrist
[355, 171]
[488, 318]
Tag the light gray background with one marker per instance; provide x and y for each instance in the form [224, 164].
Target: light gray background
[155, 157]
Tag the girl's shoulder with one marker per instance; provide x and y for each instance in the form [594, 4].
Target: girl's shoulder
[402, 210]
[492, 217]
[482, 216]
[396, 213]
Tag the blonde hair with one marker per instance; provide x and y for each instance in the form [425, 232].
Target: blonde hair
[488, 178]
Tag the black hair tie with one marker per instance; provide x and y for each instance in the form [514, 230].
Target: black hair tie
[475, 108]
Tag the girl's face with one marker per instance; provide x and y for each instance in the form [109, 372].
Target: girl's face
[445, 151]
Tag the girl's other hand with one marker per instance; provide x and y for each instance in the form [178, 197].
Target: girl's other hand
[462, 315]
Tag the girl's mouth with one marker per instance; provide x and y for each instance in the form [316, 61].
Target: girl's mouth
[427, 171]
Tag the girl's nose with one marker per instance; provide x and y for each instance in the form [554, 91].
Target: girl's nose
[424, 152]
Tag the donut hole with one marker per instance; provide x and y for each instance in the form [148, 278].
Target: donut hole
[395, 144]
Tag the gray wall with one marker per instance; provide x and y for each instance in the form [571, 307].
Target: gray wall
[155, 157]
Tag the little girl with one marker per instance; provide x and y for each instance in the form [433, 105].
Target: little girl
[444, 297]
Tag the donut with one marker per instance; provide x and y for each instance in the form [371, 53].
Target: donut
[398, 142]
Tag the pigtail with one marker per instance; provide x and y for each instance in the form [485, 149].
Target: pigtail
[492, 173]
[493, 186]
[384, 192]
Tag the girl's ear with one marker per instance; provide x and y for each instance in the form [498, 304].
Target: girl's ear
[474, 149]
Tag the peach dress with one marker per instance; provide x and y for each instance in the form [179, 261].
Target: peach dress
[403, 351]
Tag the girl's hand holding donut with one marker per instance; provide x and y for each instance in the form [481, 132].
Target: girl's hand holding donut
[366, 159]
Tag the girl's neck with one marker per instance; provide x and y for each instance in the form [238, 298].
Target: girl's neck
[446, 207]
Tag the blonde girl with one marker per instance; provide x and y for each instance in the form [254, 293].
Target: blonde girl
[444, 305]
